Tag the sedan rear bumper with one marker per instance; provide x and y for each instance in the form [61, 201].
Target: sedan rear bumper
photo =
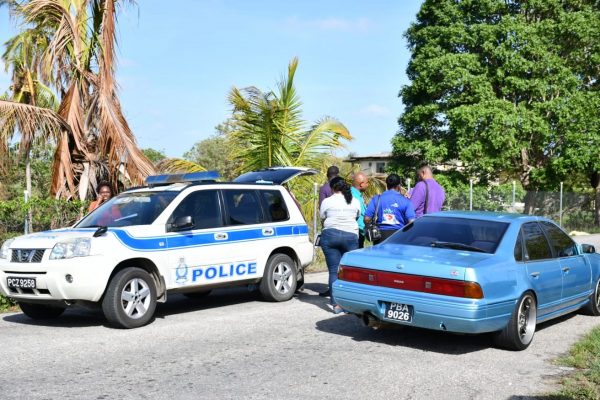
[430, 311]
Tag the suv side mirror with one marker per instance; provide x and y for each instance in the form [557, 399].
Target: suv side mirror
[588, 248]
[182, 223]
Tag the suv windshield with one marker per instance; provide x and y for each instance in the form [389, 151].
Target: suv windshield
[140, 208]
[452, 233]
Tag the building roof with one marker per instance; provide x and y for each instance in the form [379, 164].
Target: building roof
[386, 155]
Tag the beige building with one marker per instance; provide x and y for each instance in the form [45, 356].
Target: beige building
[372, 165]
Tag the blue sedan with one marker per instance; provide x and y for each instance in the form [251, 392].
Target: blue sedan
[472, 272]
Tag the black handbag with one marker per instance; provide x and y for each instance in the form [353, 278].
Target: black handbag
[372, 231]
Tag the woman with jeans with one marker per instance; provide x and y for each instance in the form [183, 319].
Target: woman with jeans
[339, 213]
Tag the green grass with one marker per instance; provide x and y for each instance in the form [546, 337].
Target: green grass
[584, 382]
[6, 304]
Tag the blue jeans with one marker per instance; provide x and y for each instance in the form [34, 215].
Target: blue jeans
[334, 244]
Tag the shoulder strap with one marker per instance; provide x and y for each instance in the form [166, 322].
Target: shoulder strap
[426, 196]
[376, 210]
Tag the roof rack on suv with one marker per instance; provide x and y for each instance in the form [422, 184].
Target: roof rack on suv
[191, 177]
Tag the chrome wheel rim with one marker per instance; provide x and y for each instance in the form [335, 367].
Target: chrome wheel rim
[283, 277]
[526, 319]
[136, 298]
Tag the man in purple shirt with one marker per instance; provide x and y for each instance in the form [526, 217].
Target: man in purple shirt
[427, 191]
[325, 190]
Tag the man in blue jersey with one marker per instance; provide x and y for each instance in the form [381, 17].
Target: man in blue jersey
[394, 210]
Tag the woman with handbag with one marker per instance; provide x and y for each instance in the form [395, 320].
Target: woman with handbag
[389, 211]
[339, 213]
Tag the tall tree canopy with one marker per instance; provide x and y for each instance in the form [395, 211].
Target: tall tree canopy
[214, 152]
[509, 88]
[75, 56]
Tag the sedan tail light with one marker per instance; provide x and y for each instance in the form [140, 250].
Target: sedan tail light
[415, 283]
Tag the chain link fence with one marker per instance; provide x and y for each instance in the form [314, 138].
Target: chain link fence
[573, 211]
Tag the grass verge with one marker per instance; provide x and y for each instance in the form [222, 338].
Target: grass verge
[584, 382]
[7, 305]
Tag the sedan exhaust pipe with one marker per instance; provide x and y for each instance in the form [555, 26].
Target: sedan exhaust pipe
[370, 321]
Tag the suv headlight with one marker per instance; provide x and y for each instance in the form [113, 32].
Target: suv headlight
[5, 249]
[79, 247]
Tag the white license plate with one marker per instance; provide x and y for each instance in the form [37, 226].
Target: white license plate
[20, 283]
[398, 312]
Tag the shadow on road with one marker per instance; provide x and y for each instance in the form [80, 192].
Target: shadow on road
[398, 335]
[552, 322]
[73, 317]
[310, 295]
[179, 304]
[78, 316]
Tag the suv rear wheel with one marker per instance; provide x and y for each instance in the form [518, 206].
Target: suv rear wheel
[279, 280]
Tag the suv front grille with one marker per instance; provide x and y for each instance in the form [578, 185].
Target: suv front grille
[27, 255]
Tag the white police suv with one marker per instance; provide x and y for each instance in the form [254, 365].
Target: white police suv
[182, 233]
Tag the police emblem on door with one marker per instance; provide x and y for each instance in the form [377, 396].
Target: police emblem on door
[181, 272]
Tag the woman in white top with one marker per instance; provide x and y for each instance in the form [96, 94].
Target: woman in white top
[340, 229]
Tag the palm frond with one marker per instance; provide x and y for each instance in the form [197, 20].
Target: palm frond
[178, 165]
[325, 136]
[31, 120]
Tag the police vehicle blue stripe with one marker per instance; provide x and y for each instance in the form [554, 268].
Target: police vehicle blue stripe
[182, 240]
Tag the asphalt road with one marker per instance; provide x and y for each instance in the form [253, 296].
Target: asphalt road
[232, 345]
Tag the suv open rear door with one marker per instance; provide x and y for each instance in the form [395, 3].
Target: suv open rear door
[276, 175]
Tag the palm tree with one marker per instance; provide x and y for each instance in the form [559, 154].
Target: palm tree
[78, 62]
[23, 53]
[269, 131]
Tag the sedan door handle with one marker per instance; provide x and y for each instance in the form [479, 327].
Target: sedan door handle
[566, 269]
[535, 274]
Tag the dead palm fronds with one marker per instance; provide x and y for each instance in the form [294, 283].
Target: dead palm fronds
[79, 62]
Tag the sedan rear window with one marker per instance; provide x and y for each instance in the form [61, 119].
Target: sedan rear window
[455, 233]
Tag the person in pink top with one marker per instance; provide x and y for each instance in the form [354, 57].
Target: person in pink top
[427, 196]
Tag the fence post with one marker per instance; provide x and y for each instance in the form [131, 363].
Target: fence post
[470, 194]
[561, 206]
[315, 210]
[26, 226]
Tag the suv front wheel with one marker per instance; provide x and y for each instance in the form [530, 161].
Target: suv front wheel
[279, 280]
[130, 300]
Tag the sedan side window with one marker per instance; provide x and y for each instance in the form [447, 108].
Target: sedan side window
[536, 245]
[203, 207]
[561, 243]
[519, 248]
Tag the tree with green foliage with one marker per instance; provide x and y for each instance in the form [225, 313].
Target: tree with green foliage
[13, 177]
[214, 152]
[508, 88]
[154, 155]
